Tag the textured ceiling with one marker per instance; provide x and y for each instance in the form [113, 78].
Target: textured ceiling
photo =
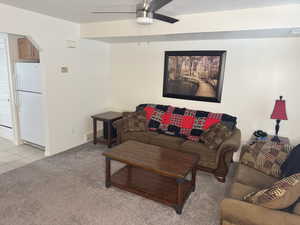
[80, 10]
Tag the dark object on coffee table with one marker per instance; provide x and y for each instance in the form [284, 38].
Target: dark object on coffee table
[153, 172]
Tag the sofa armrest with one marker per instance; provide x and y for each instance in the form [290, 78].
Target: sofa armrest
[239, 212]
[231, 144]
[118, 125]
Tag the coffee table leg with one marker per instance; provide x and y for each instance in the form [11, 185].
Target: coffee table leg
[107, 173]
[95, 130]
[194, 171]
[178, 207]
[129, 174]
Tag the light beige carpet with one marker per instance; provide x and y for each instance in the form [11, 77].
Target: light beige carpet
[68, 189]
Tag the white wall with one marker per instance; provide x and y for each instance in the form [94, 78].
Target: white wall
[257, 71]
[69, 98]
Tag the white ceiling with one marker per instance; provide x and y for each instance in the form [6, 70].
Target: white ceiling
[80, 10]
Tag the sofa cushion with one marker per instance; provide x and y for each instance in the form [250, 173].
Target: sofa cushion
[252, 177]
[215, 136]
[135, 121]
[238, 190]
[166, 141]
[143, 137]
[266, 157]
[297, 209]
[207, 157]
[280, 195]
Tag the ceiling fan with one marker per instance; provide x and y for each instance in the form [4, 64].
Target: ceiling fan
[146, 12]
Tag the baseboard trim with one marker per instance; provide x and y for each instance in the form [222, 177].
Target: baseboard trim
[6, 133]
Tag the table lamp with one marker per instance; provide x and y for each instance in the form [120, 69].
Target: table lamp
[279, 113]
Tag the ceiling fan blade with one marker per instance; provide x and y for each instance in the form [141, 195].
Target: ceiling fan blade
[111, 12]
[164, 18]
[157, 4]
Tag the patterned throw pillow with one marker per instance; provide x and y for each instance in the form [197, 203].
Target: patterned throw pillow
[215, 135]
[135, 121]
[267, 157]
[280, 195]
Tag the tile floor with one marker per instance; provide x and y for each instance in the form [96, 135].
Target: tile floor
[12, 156]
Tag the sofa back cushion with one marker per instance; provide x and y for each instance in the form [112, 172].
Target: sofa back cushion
[134, 121]
[266, 157]
[183, 122]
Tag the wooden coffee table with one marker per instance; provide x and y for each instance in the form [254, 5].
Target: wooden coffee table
[153, 172]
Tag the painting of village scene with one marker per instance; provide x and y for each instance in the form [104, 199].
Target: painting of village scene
[195, 76]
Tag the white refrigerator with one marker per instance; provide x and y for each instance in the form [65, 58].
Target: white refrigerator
[30, 103]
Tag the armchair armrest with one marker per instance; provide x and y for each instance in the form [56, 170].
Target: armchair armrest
[239, 212]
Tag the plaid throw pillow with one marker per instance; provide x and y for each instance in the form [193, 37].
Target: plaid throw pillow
[135, 121]
[267, 157]
[215, 136]
[280, 195]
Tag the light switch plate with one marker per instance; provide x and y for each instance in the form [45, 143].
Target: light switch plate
[64, 69]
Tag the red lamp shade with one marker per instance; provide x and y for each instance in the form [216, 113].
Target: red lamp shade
[279, 111]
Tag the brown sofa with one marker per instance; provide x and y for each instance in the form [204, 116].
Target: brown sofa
[237, 212]
[216, 162]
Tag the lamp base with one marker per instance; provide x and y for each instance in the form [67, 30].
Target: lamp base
[275, 139]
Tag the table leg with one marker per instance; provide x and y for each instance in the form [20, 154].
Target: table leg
[194, 171]
[95, 130]
[107, 173]
[129, 174]
[179, 205]
[109, 124]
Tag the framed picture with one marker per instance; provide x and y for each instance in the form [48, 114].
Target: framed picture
[194, 75]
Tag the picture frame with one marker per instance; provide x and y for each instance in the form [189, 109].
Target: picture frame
[194, 75]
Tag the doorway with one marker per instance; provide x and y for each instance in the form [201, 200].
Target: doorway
[21, 127]
[6, 124]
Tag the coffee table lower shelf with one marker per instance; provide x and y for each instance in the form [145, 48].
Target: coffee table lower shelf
[153, 186]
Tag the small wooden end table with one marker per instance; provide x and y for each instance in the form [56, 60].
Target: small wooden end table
[107, 118]
[153, 172]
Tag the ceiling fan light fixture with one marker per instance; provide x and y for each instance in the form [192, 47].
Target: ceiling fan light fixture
[144, 20]
[144, 17]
